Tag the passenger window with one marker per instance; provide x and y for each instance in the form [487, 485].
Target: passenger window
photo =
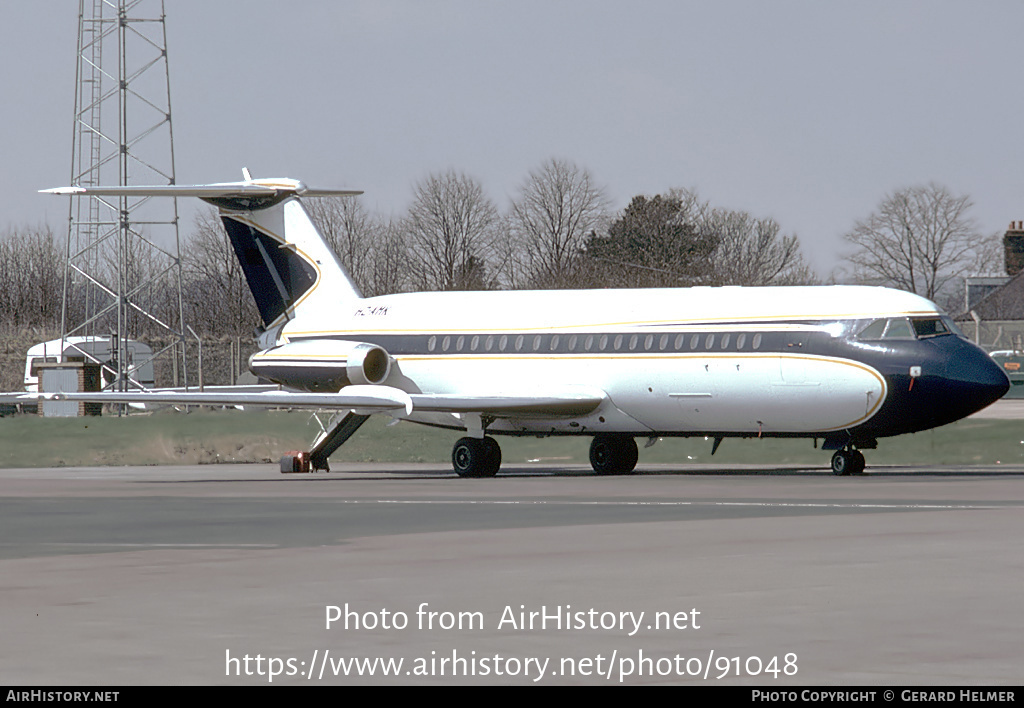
[741, 340]
[679, 341]
[756, 344]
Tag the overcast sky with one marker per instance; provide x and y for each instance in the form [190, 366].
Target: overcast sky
[808, 112]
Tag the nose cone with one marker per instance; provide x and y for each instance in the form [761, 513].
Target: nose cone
[955, 379]
[977, 380]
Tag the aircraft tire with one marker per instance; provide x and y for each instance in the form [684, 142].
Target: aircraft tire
[493, 457]
[842, 463]
[613, 454]
[858, 462]
[847, 462]
[473, 457]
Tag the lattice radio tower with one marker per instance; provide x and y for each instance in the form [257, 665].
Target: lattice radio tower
[123, 272]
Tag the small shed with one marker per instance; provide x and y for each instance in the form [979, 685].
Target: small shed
[69, 377]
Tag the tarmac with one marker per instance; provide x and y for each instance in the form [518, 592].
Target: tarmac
[691, 575]
[1003, 409]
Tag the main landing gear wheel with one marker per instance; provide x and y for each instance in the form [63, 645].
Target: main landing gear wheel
[613, 454]
[473, 457]
[847, 462]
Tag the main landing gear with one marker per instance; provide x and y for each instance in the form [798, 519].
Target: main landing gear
[481, 457]
[847, 461]
[613, 454]
[476, 457]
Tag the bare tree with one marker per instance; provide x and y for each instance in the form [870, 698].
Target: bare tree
[558, 205]
[389, 270]
[31, 267]
[752, 251]
[372, 251]
[920, 239]
[451, 230]
[348, 228]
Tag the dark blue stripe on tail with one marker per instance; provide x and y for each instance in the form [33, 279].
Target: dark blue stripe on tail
[277, 276]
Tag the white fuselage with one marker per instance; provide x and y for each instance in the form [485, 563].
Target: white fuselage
[671, 361]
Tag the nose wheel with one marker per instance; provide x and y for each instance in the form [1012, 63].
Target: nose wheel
[847, 461]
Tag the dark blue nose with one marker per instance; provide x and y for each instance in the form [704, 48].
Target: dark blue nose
[976, 380]
[953, 379]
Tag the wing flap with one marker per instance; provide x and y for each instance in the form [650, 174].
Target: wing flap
[543, 405]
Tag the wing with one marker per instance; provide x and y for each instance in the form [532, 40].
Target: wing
[367, 399]
[362, 399]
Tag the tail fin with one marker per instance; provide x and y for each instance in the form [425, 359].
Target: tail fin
[290, 269]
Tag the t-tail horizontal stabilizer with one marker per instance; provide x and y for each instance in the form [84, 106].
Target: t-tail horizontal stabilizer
[247, 195]
[290, 269]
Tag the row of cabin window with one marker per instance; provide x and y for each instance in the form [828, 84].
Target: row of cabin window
[590, 342]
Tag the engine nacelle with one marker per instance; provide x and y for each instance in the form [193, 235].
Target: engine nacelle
[319, 365]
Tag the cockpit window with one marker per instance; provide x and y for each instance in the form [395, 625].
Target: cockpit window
[929, 327]
[898, 328]
[873, 330]
[902, 328]
[951, 326]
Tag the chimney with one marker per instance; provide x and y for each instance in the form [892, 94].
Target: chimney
[1013, 243]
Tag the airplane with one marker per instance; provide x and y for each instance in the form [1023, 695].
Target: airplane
[843, 364]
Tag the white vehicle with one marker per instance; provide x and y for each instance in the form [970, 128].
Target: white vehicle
[843, 364]
[100, 350]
